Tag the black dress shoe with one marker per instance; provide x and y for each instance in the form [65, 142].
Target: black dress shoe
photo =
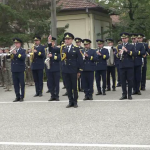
[21, 99]
[139, 93]
[143, 88]
[40, 95]
[17, 100]
[48, 91]
[123, 97]
[114, 89]
[51, 99]
[90, 98]
[86, 98]
[66, 94]
[130, 97]
[108, 89]
[57, 99]
[99, 93]
[75, 106]
[118, 85]
[69, 105]
[134, 93]
[104, 93]
[36, 95]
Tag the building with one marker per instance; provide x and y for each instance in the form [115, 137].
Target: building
[86, 19]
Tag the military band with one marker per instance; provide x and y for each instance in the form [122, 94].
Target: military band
[126, 65]
[77, 65]
[111, 66]
[72, 61]
[139, 52]
[37, 65]
[101, 67]
[79, 43]
[53, 69]
[117, 60]
[89, 59]
[17, 56]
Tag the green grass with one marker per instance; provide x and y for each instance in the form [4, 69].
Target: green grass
[148, 68]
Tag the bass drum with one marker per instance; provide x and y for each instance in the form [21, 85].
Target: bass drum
[110, 61]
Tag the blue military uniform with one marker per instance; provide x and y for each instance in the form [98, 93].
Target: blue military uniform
[87, 75]
[126, 66]
[37, 67]
[18, 68]
[61, 44]
[54, 72]
[117, 60]
[111, 69]
[80, 84]
[70, 68]
[62, 64]
[139, 52]
[144, 66]
[101, 67]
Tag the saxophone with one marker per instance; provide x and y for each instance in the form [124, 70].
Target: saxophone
[32, 53]
[47, 60]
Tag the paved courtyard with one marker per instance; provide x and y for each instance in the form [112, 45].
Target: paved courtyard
[102, 124]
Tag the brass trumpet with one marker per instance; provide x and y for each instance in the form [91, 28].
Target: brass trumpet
[47, 60]
[32, 53]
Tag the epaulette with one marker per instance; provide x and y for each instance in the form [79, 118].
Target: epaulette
[76, 46]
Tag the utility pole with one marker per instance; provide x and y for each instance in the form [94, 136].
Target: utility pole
[4, 2]
[53, 19]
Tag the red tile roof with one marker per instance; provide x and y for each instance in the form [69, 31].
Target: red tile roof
[77, 4]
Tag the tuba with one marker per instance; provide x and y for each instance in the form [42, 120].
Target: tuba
[47, 60]
[32, 53]
[110, 61]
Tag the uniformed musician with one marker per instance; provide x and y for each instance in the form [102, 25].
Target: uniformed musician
[7, 71]
[18, 67]
[62, 44]
[53, 73]
[139, 52]
[71, 56]
[78, 43]
[144, 61]
[117, 60]
[2, 81]
[101, 67]
[111, 67]
[126, 64]
[89, 65]
[37, 66]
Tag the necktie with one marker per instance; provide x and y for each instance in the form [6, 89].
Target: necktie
[68, 49]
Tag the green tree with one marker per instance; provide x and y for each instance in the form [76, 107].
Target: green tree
[24, 19]
[134, 16]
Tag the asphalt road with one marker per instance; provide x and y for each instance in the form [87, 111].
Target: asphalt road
[103, 124]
